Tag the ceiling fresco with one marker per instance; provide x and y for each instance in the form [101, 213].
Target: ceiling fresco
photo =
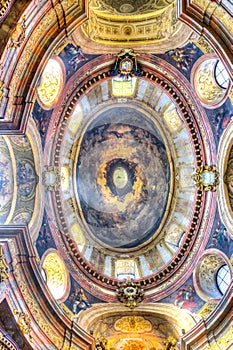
[123, 200]
[115, 182]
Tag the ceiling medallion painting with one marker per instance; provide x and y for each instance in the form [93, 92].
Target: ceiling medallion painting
[116, 182]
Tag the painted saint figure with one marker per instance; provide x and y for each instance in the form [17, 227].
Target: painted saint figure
[80, 301]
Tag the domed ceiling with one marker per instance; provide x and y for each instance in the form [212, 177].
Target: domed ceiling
[125, 199]
[114, 180]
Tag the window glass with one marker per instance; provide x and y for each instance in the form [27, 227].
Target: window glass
[223, 278]
[221, 75]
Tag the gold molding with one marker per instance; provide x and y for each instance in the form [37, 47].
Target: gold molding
[3, 266]
[1, 91]
[24, 323]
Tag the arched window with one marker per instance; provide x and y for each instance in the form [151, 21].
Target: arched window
[221, 75]
[223, 278]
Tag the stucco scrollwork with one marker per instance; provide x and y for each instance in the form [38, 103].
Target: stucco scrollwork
[204, 80]
[56, 275]
[133, 324]
[205, 275]
[160, 25]
[24, 323]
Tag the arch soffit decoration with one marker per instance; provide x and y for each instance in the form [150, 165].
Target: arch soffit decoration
[181, 318]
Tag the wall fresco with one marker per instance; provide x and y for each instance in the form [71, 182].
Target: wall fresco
[18, 180]
[6, 181]
[79, 299]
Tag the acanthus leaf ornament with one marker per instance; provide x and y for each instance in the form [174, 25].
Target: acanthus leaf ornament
[130, 293]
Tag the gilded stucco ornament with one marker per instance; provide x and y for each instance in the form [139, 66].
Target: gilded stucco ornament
[206, 310]
[131, 324]
[130, 293]
[126, 65]
[225, 342]
[205, 84]
[1, 91]
[24, 323]
[100, 343]
[206, 178]
[169, 343]
[3, 267]
[228, 177]
[18, 34]
[51, 178]
[148, 22]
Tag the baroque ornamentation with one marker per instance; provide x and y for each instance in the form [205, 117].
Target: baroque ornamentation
[205, 84]
[51, 178]
[224, 342]
[203, 45]
[133, 324]
[18, 35]
[35, 309]
[206, 310]
[126, 65]
[1, 91]
[51, 84]
[24, 323]
[170, 343]
[228, 178]
[57, 278]
[160, 24]
[132, 6]
[100, 343]
[206, 178]
[3, 267]
[130, 293]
